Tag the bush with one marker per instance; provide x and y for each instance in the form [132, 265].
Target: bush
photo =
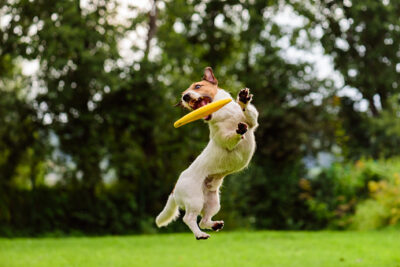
[343, 195]
[63, 211]
[260, 199]
[369, 215]
[383, 209]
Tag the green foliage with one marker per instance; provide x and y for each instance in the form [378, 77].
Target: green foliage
[22, 139]
[370, 215]
[362, 38]
[73, 46]
[367, 188]
[68, 211]
[383, 209]
[385, 130]
[254, 202]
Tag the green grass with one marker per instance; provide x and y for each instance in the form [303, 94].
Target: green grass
[380, 248]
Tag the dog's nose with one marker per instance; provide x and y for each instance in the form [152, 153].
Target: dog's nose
[186, 97]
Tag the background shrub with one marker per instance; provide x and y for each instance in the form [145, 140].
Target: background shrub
[345, 195]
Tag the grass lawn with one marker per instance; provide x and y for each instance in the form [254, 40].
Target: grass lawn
[378, 249]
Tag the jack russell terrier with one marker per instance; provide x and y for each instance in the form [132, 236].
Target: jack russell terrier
[230, 149]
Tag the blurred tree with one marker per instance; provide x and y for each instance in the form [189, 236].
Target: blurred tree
[21, 135]
[76, 46]
[363, 39]
[386, 129]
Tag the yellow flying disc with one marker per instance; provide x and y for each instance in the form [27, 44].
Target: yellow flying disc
[202, 112]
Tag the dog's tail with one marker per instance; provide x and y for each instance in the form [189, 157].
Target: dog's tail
[169, 213]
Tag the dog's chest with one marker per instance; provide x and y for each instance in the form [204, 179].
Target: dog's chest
[223, 161]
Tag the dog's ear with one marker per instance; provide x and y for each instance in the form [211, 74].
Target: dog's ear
[209, 76]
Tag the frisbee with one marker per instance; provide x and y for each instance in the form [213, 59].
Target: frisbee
[202, 112]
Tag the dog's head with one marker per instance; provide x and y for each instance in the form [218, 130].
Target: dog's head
[200, 93]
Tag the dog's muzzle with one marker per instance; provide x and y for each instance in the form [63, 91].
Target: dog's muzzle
[186, 98]
[197, 103]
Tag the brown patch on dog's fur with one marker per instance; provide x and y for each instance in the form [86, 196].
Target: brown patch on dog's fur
[213, 182]
[208, 86]
[206, 89]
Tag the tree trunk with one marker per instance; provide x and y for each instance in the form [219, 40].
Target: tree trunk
[372, 106]
[152, 27]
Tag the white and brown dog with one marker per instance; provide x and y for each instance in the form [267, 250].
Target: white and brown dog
[231, 146]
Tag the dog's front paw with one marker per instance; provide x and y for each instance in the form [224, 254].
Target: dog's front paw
[218, 225]
[202, 236]
[242, 128]
[244, 97]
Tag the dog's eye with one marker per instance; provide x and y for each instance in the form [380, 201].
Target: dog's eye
[197, 86]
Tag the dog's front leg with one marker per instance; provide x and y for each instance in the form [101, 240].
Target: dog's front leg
[251, 114]
[244, 99]
[230, 139]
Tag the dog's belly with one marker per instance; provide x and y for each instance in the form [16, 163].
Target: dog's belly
[218, 160]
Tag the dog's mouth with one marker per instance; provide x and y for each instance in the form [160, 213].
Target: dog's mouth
[200, 102]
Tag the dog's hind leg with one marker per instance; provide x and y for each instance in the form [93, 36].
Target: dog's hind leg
[190, 219]
[189, 195]
[211, 207]
[211, 204]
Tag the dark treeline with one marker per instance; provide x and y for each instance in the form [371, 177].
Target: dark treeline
[87, 143]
